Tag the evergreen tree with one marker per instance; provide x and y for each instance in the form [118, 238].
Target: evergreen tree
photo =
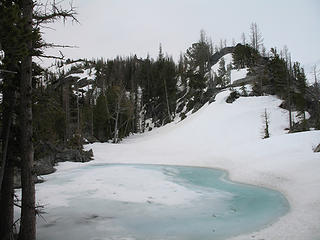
[12, 41]
[100, 119]
[244, 56]
[222, 73]
[300, 96]
[278, 71]
[197, 59]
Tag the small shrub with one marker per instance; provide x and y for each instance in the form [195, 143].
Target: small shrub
[233, 96]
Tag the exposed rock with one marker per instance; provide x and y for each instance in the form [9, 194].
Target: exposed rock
[317, 149]
[74, 155]
[84, 82]
[232, 97]
[196, 107]
[45, 165]
[17, 178]
[47, 155]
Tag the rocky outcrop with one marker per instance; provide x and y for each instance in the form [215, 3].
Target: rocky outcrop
[74, 155]
[45, 165]
[48, 155]
[317, 149]
[234, 95]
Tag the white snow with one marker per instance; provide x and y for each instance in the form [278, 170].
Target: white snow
[237, 74]
[227, 59]
[120, 183]
[229, 136]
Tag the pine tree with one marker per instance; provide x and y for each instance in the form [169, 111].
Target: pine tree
[222, 73]
[301, 83]
[12, 41]
[278, 71]
[100, 119]
[244, 56]
[197, 59]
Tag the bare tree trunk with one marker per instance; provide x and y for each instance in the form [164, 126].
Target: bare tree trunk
[78, 110]
[289, 94]
[167, 99]
[66, 103]
[6, 204]
[91, 119]
[6, 175]
[116, 131]
[8, 102]
[28, 212]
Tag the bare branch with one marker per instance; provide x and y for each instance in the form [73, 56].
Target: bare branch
[7, 71]
[52, 45]
[43, 15]
[52, 57]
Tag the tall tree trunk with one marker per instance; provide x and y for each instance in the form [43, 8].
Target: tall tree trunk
[289, 72]
[66, 106]
[116, 131]
[8, 105]
[167, 98]
[6, 174]
[78, 110]
[91, 117]
[28, 212]
[6, 197]
[6, 203]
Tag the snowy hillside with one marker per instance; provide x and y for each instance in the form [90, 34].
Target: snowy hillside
[229, 136]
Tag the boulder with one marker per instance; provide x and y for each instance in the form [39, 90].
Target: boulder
[317, 149]
[17, 178]
[44, 165]
[47, 155]
[74, 155]
[232, 97]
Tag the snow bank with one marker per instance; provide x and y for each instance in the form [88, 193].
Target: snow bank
[237, 74]
[120, 183]
[229, 136]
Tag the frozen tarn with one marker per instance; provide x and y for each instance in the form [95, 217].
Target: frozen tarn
[229, 136]
[151, 202]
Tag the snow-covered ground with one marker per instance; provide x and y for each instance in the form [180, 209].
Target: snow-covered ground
[229, 136]
[237, 74]
[228, 59]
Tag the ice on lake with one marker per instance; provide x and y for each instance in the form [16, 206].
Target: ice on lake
[145, 202]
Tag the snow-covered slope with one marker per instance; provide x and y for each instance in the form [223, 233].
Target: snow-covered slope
[229, 136]
[237, 74]
[228, 60]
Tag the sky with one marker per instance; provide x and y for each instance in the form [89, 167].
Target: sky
[110, 28]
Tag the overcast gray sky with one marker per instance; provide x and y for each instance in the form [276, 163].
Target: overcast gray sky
[122, 27]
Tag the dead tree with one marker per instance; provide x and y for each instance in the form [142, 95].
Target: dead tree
[28, 214]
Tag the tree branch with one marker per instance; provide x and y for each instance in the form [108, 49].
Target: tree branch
[56, 12]
[52, 45]
[52, 57]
